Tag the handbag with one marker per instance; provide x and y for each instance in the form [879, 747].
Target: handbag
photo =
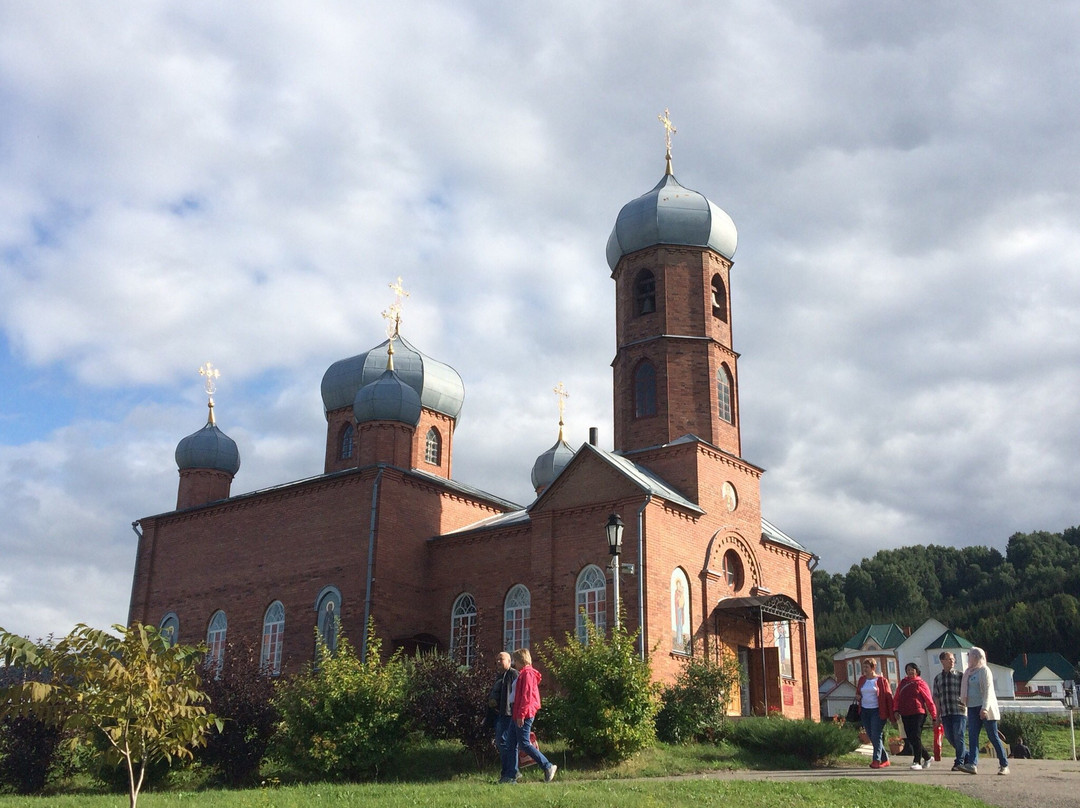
[852, 712]
[524, 758]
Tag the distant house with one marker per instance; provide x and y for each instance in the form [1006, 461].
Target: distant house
[894, 647]
[1042, 674]
[834, 697]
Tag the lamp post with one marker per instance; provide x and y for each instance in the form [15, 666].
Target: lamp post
[614, 530]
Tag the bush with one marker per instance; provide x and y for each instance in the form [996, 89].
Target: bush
[28, 745]
[342, 719]
[241, 693]
[607, 700]
[805, 740]
[1026, 726]
[447, 701]
[694, 708]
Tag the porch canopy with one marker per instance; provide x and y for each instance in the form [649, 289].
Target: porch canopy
[761, 609]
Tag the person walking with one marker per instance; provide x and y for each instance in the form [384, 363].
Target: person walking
[875, 708]
[913, 701]
[951, 713]
[977, 693]
[501, 702]
[526, 705]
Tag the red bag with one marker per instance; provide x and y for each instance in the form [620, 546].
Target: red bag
[525, 759]
[939, 733]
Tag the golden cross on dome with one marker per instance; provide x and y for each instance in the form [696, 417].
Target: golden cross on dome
[211, 374]
[560, 392]
[669, 130]
[392, 315]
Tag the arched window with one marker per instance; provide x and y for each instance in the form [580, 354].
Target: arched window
[433, 447]
[463, 630]
[723, 395]
[346, 442]
[215, 641]
[644, 293]
[170, 628]
[273, 636]
[591, 601]
[644, 390]
[719, 298]
[328, 608]
[680, 612]
[516, 619]
[732, 567]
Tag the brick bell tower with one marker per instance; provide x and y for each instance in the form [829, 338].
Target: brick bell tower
[675, 372]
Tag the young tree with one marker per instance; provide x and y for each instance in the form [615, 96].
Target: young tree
[136, 690]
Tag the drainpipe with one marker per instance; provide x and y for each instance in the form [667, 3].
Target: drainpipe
[135, 527]
[641, 576]
[370, 559]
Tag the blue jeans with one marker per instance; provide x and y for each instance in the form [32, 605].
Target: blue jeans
[523, 744]
[506, 743]
[975, 726]
[955, 727]
[874, 725]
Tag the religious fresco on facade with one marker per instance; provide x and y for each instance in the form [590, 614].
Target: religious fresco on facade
[680, 612]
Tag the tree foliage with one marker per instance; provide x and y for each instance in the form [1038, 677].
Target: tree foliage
[694, 708]
[134, 690]
[241, 694]
[449, 701]
[607, 700]
[1025, 600]
[340, 718]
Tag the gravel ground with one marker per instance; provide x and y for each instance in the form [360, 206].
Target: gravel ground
[1030, 783]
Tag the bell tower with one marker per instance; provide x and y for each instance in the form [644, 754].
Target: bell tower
[675, 372]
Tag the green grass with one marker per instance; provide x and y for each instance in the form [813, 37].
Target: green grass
[839, 793]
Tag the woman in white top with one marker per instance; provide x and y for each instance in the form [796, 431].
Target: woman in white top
[977, 693]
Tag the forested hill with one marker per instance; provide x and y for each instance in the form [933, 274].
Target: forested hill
[1025, 601]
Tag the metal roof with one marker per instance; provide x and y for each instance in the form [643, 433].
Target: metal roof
[885, 635]
[209, 448]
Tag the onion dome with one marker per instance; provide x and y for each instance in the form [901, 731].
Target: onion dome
[209, 448]
[388, 398]
[671, 214]
[548, 465]
[438, 385]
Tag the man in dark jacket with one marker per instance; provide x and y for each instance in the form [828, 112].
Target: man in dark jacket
[501, 702]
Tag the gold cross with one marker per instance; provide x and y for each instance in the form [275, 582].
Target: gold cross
[669, 129]
[562, 395]
[392, 315]
[210, 373]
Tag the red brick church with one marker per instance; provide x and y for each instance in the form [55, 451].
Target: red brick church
[386, 532]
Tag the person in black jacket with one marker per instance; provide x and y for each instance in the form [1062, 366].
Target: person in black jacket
[500, 707]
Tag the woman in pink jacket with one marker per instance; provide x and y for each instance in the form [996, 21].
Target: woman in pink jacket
[913, 701]
[526, 705]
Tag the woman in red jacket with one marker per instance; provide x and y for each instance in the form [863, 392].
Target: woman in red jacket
[526, 705]
[913, 701]
[875, 708]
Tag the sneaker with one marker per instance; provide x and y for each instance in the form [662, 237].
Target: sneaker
[549, 775]
[886, 763]
[956, 767]
[875, 765]
[968, 768]
[916, 767]
[1003, 770]
[926, 763]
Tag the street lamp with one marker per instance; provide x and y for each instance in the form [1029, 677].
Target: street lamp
[614, 530]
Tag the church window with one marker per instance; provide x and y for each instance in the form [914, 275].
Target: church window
[591, 601]
[346, 442]
[215, 641]
[328, 608]
[732, 567]
[273, 636]
[463, 630]
[723, 395]
[644, 390]
[516, 619]
[719, 299]
[170, 628]
[433, 447]
[644, 293]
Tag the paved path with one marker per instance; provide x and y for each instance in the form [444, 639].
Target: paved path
[1030, 784]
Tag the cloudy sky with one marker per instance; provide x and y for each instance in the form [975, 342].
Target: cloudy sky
[183, 182]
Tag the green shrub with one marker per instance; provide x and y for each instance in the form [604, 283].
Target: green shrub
[607, 700]
[805, 740]
[342, 719]
[1027, 726]
[694, 708]
[447, 701]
